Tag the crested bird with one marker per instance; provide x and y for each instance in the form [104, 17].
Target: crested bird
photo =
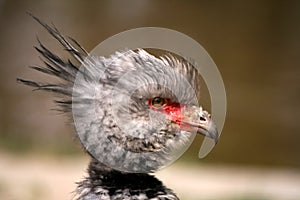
[133, 112]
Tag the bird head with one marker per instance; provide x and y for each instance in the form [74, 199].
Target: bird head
[132, 111]
[141, 111]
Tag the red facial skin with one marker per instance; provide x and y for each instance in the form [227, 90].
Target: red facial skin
[172, 109]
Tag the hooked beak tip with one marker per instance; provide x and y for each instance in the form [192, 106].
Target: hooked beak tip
[213, 132]
[210, 130]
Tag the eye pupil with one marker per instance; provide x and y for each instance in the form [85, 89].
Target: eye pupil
[158, 102]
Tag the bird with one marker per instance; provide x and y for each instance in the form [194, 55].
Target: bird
[132, 111]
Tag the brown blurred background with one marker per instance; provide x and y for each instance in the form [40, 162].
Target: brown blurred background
[255, 44]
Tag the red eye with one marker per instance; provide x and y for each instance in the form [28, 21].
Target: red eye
[158, 102]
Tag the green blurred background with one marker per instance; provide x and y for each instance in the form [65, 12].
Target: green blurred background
[255, 44]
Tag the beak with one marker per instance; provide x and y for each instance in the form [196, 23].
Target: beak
[195, 119]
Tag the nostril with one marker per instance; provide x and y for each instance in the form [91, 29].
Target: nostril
[202, 119]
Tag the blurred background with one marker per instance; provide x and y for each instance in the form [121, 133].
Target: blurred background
[256, 46]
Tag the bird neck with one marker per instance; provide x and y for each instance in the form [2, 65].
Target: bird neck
[106, 183]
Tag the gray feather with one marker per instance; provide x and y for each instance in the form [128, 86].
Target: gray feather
[111, 115]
